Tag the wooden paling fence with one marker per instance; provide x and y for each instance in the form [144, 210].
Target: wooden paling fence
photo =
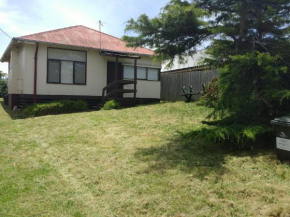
[172, 83]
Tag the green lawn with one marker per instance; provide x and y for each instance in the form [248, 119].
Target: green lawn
[132, 162]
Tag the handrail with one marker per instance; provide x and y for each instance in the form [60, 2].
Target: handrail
[113, 84]
[113, 92]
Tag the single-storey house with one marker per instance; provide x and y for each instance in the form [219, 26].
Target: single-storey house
[79, 63]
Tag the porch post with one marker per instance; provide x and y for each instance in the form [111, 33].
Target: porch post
[135, 80]
[116, 75]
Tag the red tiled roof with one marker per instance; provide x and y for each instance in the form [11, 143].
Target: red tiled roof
[82, 36]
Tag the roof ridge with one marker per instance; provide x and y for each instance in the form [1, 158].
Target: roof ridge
[100, 32]
[54, 30]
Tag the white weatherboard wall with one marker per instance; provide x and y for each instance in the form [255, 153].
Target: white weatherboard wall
[15, 79]
[96, 75]
[22, 67]
[145, 89]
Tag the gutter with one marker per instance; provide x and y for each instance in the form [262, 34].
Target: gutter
[187, 69]
[35, 72]
[103, 50]
[7, 50]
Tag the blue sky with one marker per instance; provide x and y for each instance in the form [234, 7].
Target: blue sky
[23, 17]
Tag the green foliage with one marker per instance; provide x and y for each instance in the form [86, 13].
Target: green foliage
[210, 95]
[3, 84]
[178, 24]
[112, 104]
[70, 162]
[238, 26]
[249, 45]
[239, 135]
[57, 107]
[250, 84]
[282, 95]
[235, 132]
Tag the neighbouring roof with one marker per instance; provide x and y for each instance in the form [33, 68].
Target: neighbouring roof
[81, 36]
[193, 61]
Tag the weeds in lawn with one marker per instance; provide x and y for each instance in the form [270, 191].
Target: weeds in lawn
[141, 161]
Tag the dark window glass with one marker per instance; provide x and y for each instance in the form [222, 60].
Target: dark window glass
[66, 66]
[53, 71]
[80, 73]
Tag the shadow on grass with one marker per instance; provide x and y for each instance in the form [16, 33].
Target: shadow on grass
[189, 154]
[14, 115]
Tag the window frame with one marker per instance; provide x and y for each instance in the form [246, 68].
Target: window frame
[146, 79]
[47, 69]
[146, 73]
[59, 76]
[74, 72]
[158, 73]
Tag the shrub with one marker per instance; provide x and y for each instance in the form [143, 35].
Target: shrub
[210, 95]
[238, 135]
[3, 84]
[112, 104]
[235, 133]
[57, 107]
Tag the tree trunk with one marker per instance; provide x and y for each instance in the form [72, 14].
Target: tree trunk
[243, 17]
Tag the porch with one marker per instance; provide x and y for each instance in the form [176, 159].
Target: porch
[115, 81]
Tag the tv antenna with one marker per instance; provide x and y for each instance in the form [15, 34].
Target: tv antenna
[5, 33]
[100, 30]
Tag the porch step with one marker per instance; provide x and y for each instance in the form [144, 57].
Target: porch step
[96, 107]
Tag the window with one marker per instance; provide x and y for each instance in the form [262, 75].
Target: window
[66, 66]
[153, 74]
[143, 73]
[129, 72]
[53, 71]
[66, 72]
[80, 73]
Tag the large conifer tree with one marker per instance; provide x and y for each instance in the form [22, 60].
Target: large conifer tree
[250, 45]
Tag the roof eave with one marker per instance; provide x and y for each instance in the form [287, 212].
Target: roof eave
[6, 53]
[44, 42]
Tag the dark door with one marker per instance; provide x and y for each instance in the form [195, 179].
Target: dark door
[111, 74]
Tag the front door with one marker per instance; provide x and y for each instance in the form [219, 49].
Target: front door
[111, 74]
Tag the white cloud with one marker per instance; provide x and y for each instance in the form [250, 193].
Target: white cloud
[23, 17]
[73, 16]
[3, 3]
[4, 67]
[63, 14]
[9, 18]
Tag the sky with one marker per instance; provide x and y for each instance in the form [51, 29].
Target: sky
[24, 17]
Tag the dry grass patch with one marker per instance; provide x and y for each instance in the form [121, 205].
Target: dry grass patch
[132, 162]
